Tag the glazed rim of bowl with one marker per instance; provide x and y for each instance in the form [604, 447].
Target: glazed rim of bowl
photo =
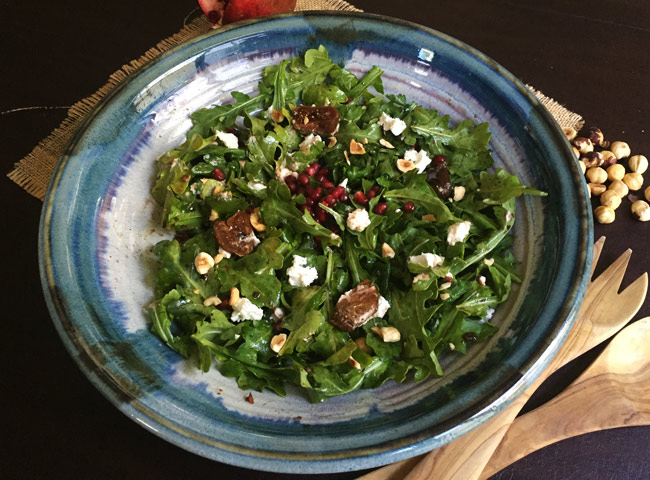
[580, 246]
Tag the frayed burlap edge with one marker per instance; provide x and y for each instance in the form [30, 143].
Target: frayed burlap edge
[33, 172]
[562, 115]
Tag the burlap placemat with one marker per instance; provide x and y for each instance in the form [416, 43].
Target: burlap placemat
[33, 172]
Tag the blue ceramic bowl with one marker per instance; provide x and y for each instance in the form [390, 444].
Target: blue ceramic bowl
[99, 223]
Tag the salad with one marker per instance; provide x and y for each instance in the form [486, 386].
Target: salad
[330, 236]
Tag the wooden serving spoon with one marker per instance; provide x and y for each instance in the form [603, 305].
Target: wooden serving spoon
[613, 392]
[604, 312]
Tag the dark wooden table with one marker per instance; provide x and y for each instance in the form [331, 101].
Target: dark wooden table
[594, 57]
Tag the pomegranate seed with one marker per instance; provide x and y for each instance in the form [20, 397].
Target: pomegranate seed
[303, 179]
[321, 215]
[371, 194]
[323, 171]
[218, 174]
[311, 170]
[338, 191]
[300, 190]
[319, 178]
[292, 187]
[289, 179]
[360, 197]
[439, 159]
[310, 202]
[327, 184]
[409, 207]
[307, 208]
[380, 208]
[316, 193]
[330, 200]
[376, 189]
[344, 197]
[309, 191]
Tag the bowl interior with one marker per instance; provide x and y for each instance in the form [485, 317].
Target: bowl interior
[99, 224]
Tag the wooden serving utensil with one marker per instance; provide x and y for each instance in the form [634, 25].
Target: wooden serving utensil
[620, 376]
[604, 312]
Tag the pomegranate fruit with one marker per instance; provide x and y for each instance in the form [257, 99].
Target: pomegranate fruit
[228, 11]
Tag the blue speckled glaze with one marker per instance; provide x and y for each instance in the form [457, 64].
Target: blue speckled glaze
[99, 222]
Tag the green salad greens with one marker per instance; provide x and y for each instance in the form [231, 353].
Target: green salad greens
[330, 236]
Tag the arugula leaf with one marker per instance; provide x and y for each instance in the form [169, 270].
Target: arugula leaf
[500, 187]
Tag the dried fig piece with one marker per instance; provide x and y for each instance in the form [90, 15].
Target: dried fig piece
[318, 120]
[235, 235]
[438, 177]
[356, 307]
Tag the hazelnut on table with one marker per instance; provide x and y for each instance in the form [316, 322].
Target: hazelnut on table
[620, 149]
[583, 145]
[596, 189]
[615, 172]
[619, 187]
[610, 199]
[641, 210]
[596, 175]
[638, 163]
[604, 214]
[634, 181]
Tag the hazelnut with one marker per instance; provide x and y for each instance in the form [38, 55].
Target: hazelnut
[596, 136]
[276, 115]
[234, 296]
[608, 158]
[331, 142]
[429, 217]
[604, 214]
[356, 148]
[638, 163]
[256, 222]
[583, 167]
[488, 261]
[570, 133]
[597, 189]
[385, 143]
[354, 364]
[459, 193]
[641, 210]
[647, 194]
[444, 296]
[405, 165]
[278, 341]
[620, 149]
[596, 175]
[203, 262]
[387, 251]
[634, 181]
[619, 187]
[583, 145]
[387, 334]
[615, 172]
[610, 199]
[593, 159]
[212, 301]
[213, 215]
